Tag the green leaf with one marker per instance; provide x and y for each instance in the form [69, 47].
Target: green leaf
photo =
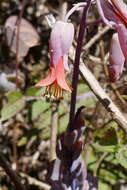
[104, 186]
[22, 141]
[14, 96]
[10, 110]
[91, 160]
[108, 176]
[110, 158]
[121, 156]
[35, 91]
[40, 92]
[43, 120]
[63, 124]
[31, 91]
[108, 141]
[124, 96]
[85, 96]
[38, 108]
[105, 148]
[109, 138]
[108, 130]
[93, 157]
[28, 135]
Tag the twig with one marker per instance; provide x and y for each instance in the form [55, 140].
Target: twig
[94, 59]
[102, 96]
[118, 94]
[17, 66]
[96, 37]
[99, 162]
[77, 62]
[96, 88]
[54, 127]
[36, 182]
[13, 176]
[17, 38]
[102, 55]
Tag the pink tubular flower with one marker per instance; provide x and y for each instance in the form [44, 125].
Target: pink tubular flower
[116, 59]
[60, 42]
[114, 14]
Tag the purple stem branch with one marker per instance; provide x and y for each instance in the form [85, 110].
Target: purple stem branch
[82, 29]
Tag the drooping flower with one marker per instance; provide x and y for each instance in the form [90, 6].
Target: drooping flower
[116, 59]
[60, 42]
[114, 14]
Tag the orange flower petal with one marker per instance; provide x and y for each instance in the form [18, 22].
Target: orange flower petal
[49, 79]
[60, 75]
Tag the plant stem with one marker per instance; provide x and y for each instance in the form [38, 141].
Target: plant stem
[99, 92]
[54, 128]
[73, 10]
[17, 38]
[12, 174]
[82, 29]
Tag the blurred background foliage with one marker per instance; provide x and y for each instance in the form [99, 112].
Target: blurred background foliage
[26, 115]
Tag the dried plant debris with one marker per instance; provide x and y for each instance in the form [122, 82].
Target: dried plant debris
[28, 36]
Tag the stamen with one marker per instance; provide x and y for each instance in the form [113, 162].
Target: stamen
[61, 92]
[57, 91]
[54, 91]
[46, 94]
[46, 91]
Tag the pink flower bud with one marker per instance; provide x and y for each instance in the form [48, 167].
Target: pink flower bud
[114, 14]
[61, 39]
[122, 34]
[116, 59]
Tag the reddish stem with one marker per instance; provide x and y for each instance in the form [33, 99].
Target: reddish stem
[82, 29]
[17, 38]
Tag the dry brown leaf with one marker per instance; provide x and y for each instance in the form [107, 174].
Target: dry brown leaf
[28, 36]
